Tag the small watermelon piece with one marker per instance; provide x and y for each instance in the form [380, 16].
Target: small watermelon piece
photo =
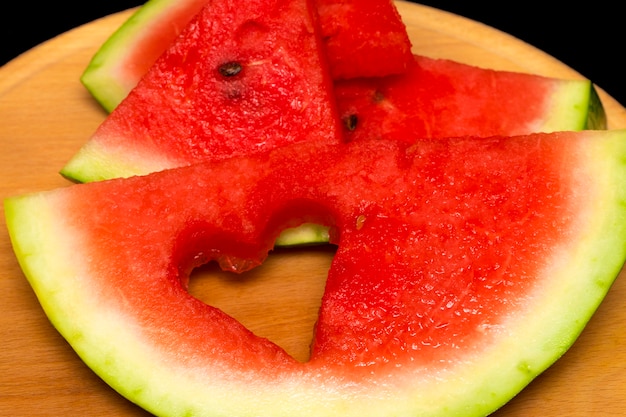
[464, 268]
[135, 46]
[444, 98]
[364, 38]
[241, 78]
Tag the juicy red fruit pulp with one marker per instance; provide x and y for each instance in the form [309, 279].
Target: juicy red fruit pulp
[443, 98]
[430, 282]
[420, 273]
[239, 79]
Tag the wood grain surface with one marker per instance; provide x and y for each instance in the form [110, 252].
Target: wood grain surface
[46, 115]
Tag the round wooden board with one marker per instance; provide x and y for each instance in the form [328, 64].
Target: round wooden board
[46, 115]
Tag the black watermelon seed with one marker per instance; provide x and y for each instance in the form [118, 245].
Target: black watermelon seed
[230, 69]
[350, 121]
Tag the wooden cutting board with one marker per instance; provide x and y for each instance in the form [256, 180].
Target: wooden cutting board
[46, 115]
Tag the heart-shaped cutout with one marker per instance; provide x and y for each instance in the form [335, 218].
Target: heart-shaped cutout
[278, 300]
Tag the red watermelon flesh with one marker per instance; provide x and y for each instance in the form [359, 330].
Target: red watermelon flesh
[444, 98]
[362, 38]
[240, 79]
[464, 268]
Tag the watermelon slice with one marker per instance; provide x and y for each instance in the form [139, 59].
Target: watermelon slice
[435, 98]
[127, 55]
[239, 79]
[464, 268]
[444, 98]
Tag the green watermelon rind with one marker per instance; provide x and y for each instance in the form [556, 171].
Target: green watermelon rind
[102, 76]
[98, 78]
[560, 310]
[306, 234]
[94, 162]
[576, 106]
[596, 114]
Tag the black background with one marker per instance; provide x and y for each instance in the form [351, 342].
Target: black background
[589, 37]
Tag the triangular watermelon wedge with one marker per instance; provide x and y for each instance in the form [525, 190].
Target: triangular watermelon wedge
[380, 46]
[364, 38]
[444, 98]
[242, 77]
[464, 268]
